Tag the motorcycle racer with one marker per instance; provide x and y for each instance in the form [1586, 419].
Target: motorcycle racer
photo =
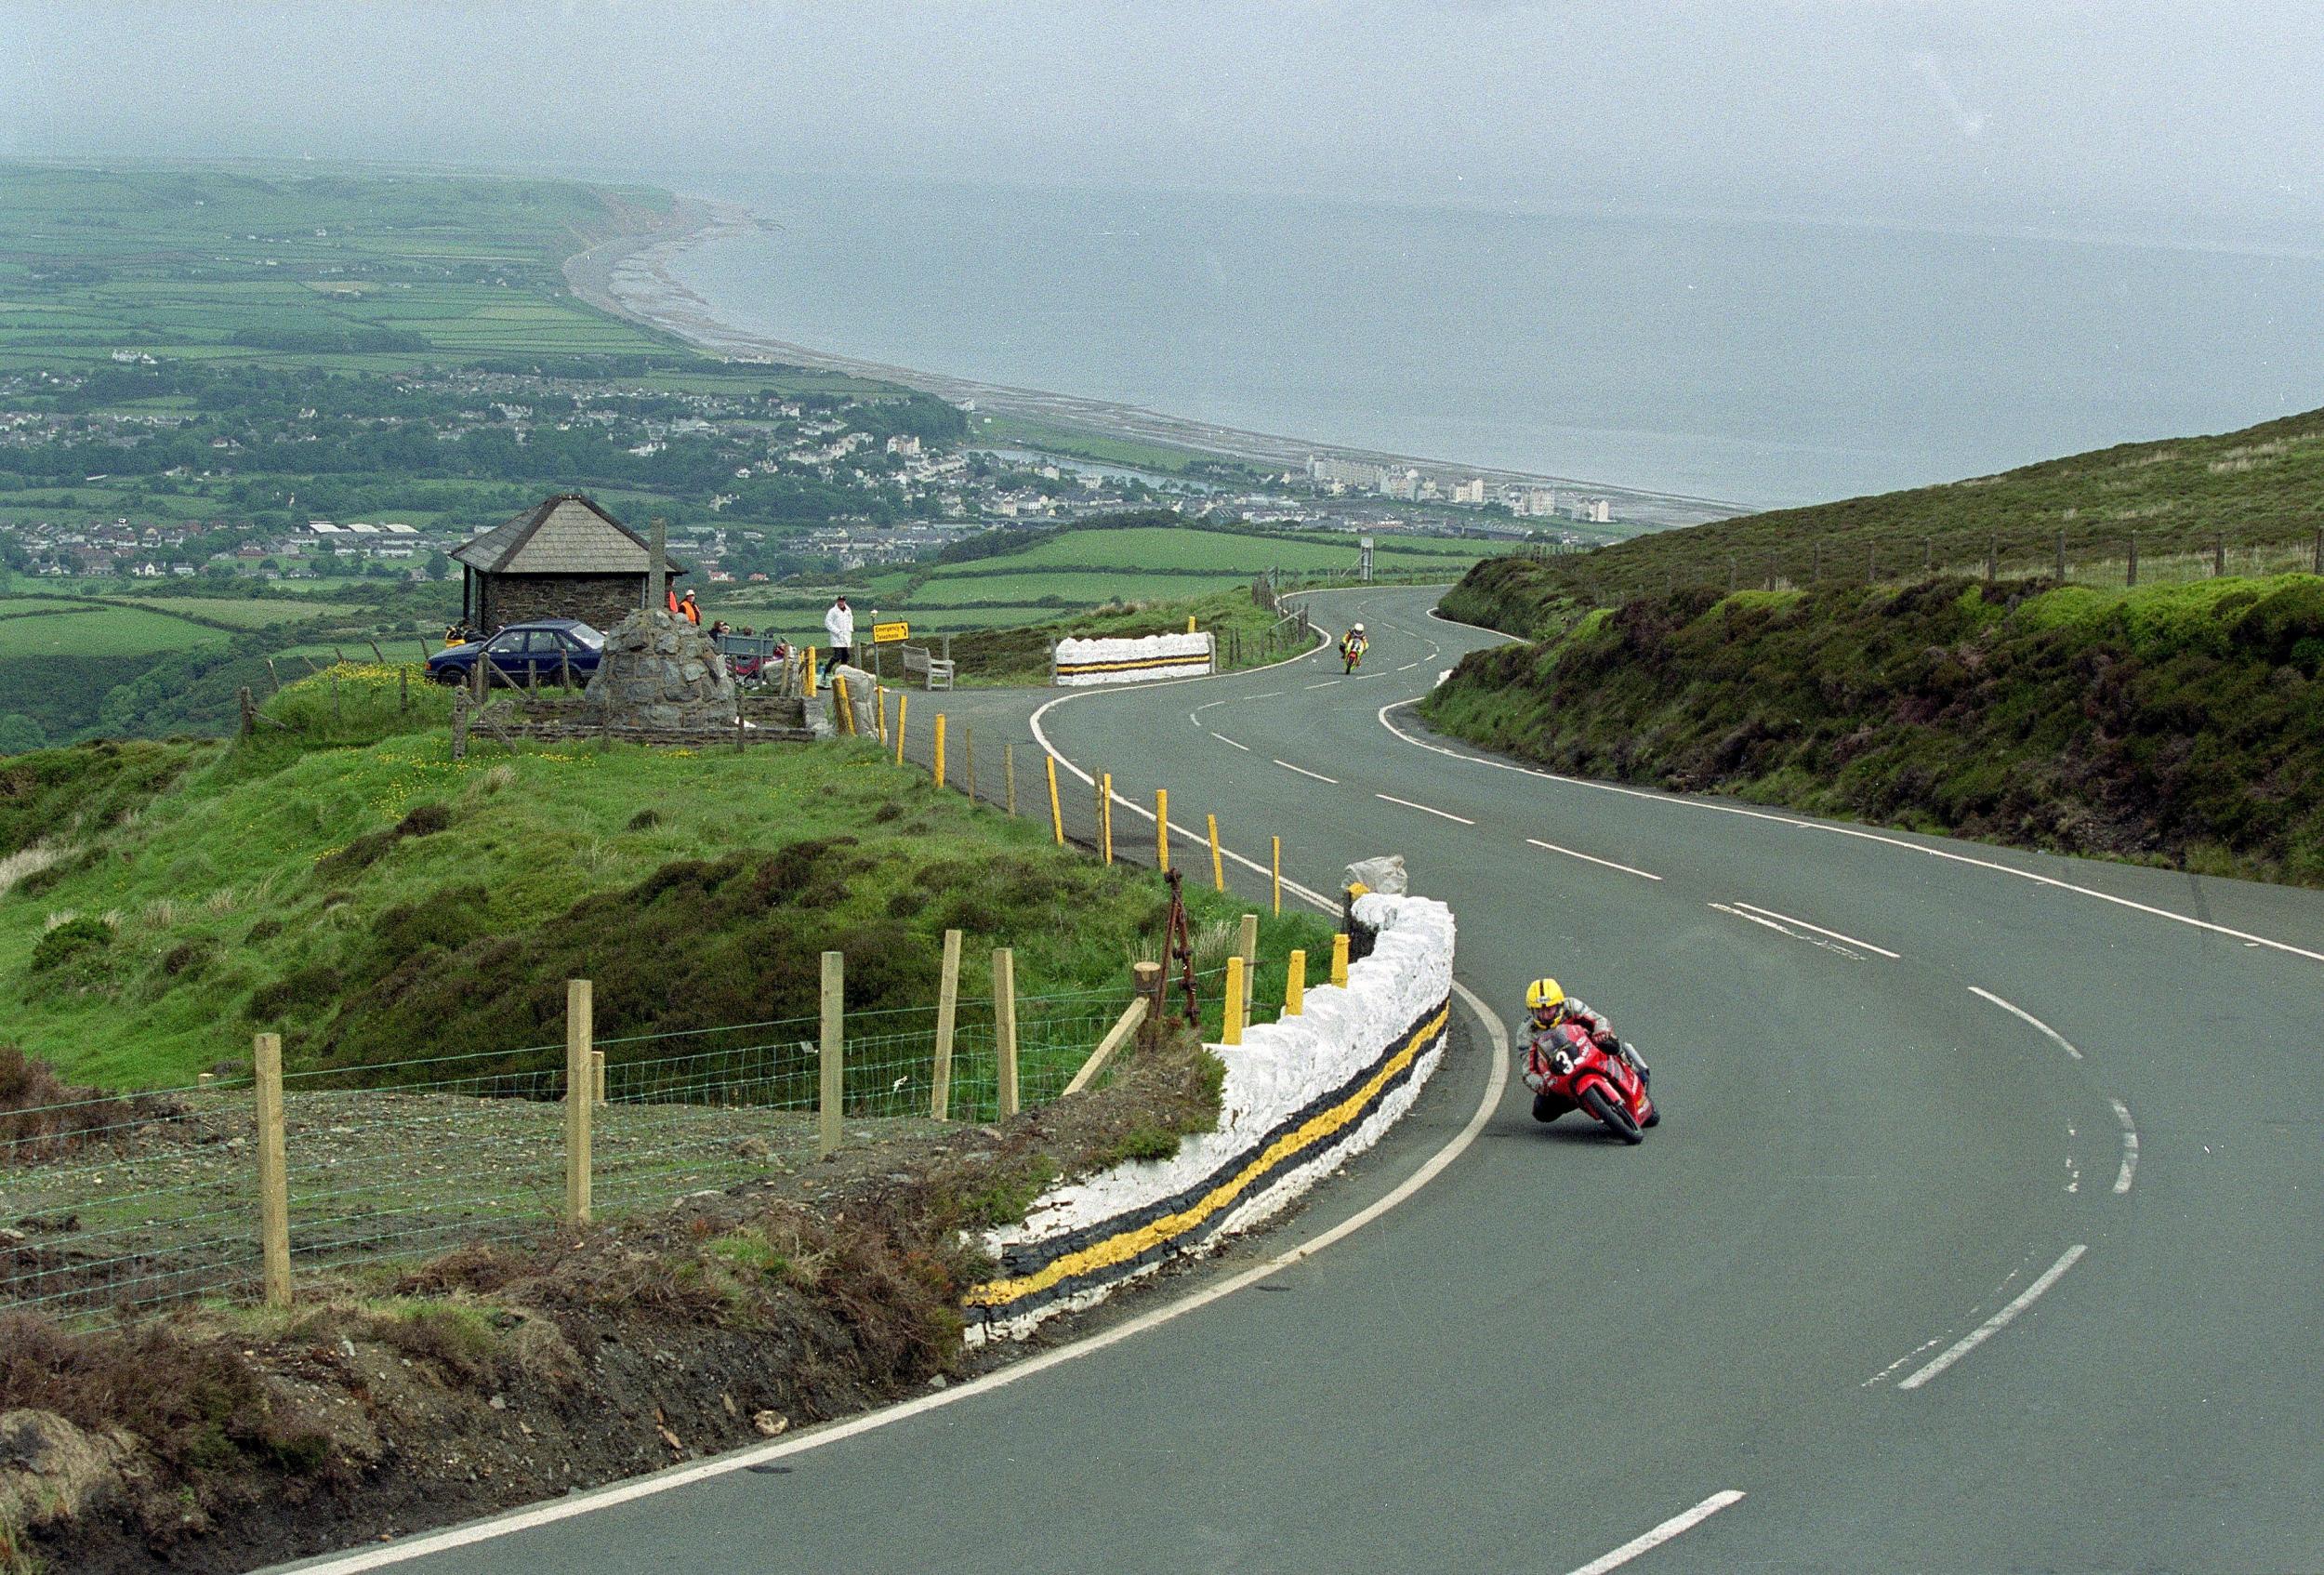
[1548, 1006]
[1354, 644]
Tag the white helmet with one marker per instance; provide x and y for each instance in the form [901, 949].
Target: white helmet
[1357, 629]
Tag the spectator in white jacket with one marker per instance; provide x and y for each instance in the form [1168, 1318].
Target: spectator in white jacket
[839, 623]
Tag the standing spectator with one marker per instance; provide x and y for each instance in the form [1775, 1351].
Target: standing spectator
[839, 623]
[693, 614]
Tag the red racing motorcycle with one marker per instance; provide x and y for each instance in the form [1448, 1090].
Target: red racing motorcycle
[1574, 1073]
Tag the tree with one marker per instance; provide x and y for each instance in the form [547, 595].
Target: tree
[438, 565]
[20, 733]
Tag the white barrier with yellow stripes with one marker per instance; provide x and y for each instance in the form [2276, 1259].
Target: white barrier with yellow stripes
[1078, 663]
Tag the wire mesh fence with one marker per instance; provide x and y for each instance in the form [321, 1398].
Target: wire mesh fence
[124, 1205]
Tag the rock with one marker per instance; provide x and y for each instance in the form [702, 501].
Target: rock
[940, 1382]
[498, 1402]
[770, 1423]
[51, 1471]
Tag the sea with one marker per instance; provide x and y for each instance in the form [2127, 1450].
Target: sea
[1755, 361]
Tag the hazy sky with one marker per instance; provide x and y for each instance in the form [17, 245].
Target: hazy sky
[2148, 118]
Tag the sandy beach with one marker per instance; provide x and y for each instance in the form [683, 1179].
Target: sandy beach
[631, 275]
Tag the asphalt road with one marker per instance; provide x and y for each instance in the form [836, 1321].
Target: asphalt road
[1983, 1233]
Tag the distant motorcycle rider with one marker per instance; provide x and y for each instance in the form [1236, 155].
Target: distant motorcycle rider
[1549, 1006]
[1354, 644]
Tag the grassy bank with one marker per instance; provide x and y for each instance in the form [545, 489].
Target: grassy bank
[2181, 725]
[2254, 497]
[340, 879]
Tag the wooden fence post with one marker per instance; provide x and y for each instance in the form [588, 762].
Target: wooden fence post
[1218, 866]
[597, 1079]
[1123, 1026]
[1275, 865]
[1009, 775]
[273, 1171]
[1056, 815]
[1162, 829]
[1295, 985]
[938, 771]
[1340, 958]
[831, 1091]
[1248, 952]
[1146, 979]
[1005, 1026]
[1231, 1016]
[580, 1033]
[459, 724]
[947, 1005]
[249, 712]
[1101, 801]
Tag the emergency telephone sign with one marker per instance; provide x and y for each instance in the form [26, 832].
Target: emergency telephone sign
[888, 634]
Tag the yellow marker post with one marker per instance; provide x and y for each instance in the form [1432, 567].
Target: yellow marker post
[940, 749]
[811, 673]
[1295, 985]
[1105, 814]
[1340, 958]
[1056, 815]
[1218, 867]
[1277, 863]
[1162, 829]
[904, 703]
[1190, 623]
[879, 695]
[1230, 1031]
[847, 707]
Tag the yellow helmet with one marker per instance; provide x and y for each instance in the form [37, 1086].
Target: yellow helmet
[1542, 993]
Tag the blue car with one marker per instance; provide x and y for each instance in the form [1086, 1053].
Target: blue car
[525, 653]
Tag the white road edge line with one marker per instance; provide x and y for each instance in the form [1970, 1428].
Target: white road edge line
[2023, 1015]
[2129, 1149]
[1224, 739]
[1999, 1321]
[1301, 769]
[1408, 803]
[1592, 858]
[1818, 929]
[742, 1460]
[1662, 1533]
[2048, 880]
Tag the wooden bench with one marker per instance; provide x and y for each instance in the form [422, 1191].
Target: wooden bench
[935, 672]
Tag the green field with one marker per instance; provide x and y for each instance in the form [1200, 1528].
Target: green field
[287, 265]
[70, 629]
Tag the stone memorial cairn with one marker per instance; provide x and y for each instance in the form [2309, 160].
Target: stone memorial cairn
[660, 673]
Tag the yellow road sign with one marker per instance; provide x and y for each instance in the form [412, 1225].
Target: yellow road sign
[888, 634]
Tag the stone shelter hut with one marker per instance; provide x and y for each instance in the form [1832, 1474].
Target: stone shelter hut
[562, 557]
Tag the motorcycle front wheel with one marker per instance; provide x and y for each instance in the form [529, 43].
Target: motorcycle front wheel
[1611, 1113]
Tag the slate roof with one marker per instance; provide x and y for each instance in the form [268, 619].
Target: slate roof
[564, 534]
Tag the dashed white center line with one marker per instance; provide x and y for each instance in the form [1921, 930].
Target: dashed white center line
[1407, 667]
[1445, 814]
[1999, 1321]
[1269, 694]
[1804, 925]
[1224, 739]
[2129, 1149]
[2024, 1016]
[1592, 858]
[1325, 684]
[1672, 1528]
[1304, 772]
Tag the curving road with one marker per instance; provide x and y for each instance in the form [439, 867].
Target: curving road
[1983, 1232]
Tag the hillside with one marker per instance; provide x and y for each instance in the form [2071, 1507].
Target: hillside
[342, 882]
[2256, 495]
[2181, 725]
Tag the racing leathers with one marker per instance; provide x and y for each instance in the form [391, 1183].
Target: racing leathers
[1599, 1026]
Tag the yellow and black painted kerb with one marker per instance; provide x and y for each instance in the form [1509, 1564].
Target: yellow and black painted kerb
[1038, 1273]
[1136, 664]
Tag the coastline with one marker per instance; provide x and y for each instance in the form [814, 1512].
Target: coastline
[629, 276]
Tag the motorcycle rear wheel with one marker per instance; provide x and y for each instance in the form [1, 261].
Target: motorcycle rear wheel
[1615, 1118]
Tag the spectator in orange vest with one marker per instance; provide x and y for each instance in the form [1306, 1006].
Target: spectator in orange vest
[693, 614]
